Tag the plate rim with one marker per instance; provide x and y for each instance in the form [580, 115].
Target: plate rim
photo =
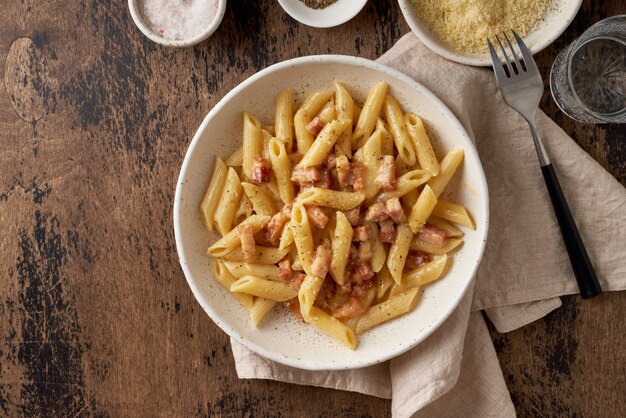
[215, 317]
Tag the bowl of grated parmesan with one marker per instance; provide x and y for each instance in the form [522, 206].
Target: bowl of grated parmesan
[458, 29]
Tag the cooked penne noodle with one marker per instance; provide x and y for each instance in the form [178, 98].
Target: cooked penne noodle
[263, 255]
[213, 193]
[453, 213]
[263, 271]
[423, 149]
[345, 111]
[451, 230]
[369, 155]
[422, 209]
[340, 242]
[329, 112]
[356, 113]
[369, 114]
[405, 184]
[267, 137]
[311, 106]
[398, 252]
[387, 145]
[230, 241]
[379, 254]
[384, 281]
[325, 141]
[391, 308]
[284, 118]
[330, 198]
[448, 245]
[308, 293]
[228, 203]
[260, 308]
[332, 326]
[448, 167]
[266, 289]
[421, 276]
[245, 207]
[401, 137]
[261, 200]
[252, 142]
[236, 158]
[286, 238]
[282, 170]
[226, 279]
[302, 236]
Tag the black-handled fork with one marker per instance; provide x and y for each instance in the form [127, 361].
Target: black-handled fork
[521, 87]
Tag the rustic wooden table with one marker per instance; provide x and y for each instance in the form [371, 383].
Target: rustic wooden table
[95, 315]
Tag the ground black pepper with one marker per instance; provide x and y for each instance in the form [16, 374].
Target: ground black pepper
[318, 4]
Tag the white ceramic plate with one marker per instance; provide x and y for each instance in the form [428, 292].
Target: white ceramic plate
[333, 15]
[280, 337]
[556, 21]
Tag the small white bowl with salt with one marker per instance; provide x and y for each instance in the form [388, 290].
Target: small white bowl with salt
[177, 23]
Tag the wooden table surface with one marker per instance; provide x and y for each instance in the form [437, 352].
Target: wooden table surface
[96, 318]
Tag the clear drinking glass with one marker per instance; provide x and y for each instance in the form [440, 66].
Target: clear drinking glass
[588, 78]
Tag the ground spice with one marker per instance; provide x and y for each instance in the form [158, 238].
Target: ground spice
[318, 4]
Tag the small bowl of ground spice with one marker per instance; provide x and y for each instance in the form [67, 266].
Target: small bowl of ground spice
[177, 23]
[322, 13]
[458, 29]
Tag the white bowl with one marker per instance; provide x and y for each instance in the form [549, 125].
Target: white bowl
[550, 28]
[333, 15]
[208, 31]
[280, 337]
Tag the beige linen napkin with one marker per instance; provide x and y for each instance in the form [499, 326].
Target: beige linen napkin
[525, 267]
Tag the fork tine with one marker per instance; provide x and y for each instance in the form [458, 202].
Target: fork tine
[506, 56]
[528, 58]
[517, 63]
[495, 62]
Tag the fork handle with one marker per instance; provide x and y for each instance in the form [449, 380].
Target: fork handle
[583, 269]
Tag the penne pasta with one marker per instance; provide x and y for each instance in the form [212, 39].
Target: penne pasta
[284, 118]
[261, 200]
[341, 240]
[244, 209]
[384, 281]
[308, 293]
[405, 184]
[329, 113]
[333, 327]
[448, 167]
[213, 193]
[423, 149]
[264, 271]
[453, 213]
[379, 254]
[398, 252]
[311, 106]
[387, 145]
[369, 114]
[260, 308]
[230, 241]
[286, 238]
[302, 236]
[263, 255]
[422, 275]
[282, 170]
[448, 245]
[422, 209]
[369, 155]
[391, 308]
[226, 279]
[344, 106]
[266, 289]
[236, 158]
[325, 141]
[401, 137]
[252, 142]
[330, 198]
[229, 202]
[451, 230]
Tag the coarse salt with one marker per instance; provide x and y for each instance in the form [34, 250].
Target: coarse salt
[178, 19]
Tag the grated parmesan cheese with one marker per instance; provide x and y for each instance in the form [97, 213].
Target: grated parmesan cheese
[466, 24]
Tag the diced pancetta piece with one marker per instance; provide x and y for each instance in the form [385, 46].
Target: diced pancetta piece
[295, 158]
[275, 228]
[387, 231]
[432, 235]
[327, 180]
[358, 177]
[296, 280]
[344, 173]
[394, 209]
[377, 212]
[315, 126]
[284, 269]
[261, 170]
[353, 255]
[345, 288]
[321, 261]
[353, 215]
[306, 175]
[415, 259]
[362, 272]
[286, 209]
[386, 178]
[248, 245]
[362, 233]
[366, 251]
[317, 216]
[353, 307]
[331, 161]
